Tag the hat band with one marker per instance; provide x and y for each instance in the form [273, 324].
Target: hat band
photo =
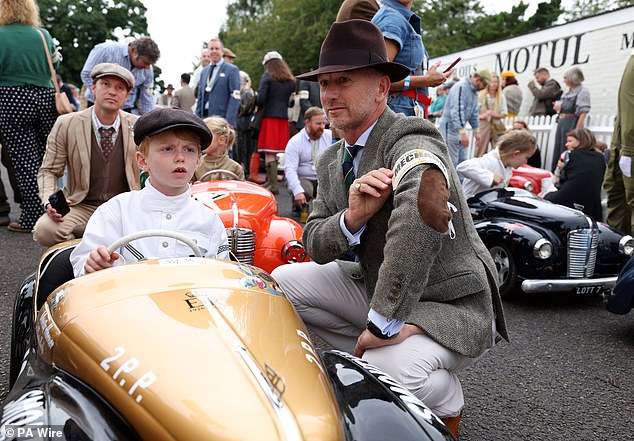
[350, 57]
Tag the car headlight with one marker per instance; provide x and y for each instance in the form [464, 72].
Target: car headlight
[293, 251]
[626, 245]
[543, 249]
[528, 185]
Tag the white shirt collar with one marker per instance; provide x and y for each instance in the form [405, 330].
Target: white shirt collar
[364, 136]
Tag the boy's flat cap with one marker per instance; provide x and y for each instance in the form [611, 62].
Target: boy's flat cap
[113, 70]
[163, 119]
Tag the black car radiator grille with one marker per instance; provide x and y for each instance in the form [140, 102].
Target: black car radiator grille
[582, 252]
[242, 243]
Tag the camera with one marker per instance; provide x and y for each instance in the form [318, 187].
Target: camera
[58, 202]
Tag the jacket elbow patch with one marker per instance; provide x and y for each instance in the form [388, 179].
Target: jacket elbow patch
[414, 158]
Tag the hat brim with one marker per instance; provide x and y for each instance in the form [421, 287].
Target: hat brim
[204, 136]
[116, 75]
[395, 71]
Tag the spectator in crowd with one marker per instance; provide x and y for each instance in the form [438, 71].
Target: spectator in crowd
[246, 138]
[216, 156]
[402, 32]
[302, 152]
[96, 148]
[573, 109]
[512, 93]
[581, 175]
[536, 159]
[68, 91]
[138, 56]
[493, 110]
[436, 108]
[219, 91]
[308, 97]
[357, 9]
[619, 182]
[396, 305]
[205, 59]
[461, 107]
[168, 99]
[166, 195]
[184, 97]
[228, 55]
[27, 101]
[545, 95]
[494, 169]
[5, 207]
[276, 85]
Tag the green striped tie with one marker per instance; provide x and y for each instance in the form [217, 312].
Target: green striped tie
[348, 169]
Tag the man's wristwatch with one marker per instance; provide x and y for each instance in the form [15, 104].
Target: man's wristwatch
[376, 331]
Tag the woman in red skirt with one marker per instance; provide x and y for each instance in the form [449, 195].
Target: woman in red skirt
[275, 89]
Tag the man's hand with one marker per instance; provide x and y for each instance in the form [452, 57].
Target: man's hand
[100, 259]
[366, 197]
[477, 140]
[497, 180]
[368, 341]
[53, 214]
[433, 196]
[433, 77]
[300, 200]
[464, 139]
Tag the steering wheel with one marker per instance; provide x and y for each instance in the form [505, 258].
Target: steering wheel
[125, 240]
[221, 171]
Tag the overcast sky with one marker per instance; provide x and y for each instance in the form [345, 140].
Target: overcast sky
[180, 27]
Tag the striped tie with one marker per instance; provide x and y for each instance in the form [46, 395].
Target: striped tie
[348, 157]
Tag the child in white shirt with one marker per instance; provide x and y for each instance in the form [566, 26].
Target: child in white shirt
[494, 169]
[170, 142]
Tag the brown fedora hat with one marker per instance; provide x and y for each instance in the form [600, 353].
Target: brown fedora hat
[355, 44]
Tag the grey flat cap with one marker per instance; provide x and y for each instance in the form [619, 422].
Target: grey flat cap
[112, 70]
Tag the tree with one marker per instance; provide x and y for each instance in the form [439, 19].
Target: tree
[295, 29]
[79, 25]
[586, 8]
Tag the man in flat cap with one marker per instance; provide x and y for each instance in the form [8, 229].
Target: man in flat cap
[97, 148]
[418, 298]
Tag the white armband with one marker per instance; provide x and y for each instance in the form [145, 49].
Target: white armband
[411, 159]
[236, 94]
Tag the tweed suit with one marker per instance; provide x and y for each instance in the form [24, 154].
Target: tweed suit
[411, 272]
[69, 148]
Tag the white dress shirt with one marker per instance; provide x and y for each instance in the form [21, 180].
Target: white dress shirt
[478, 173]
[298, 158]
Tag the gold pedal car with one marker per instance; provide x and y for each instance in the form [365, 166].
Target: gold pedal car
[188, 349]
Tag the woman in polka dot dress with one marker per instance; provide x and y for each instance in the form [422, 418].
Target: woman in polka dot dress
[27, 101]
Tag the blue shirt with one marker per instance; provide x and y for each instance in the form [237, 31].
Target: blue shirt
[113, 52]
[461, 106]
[401, 25]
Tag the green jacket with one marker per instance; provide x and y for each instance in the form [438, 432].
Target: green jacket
[22, 58]
[623, 135]
[411, 272]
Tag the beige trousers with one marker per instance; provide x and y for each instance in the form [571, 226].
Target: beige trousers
[335, 307]
[47, 232]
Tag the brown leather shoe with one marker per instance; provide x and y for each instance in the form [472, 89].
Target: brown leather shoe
[16, 227]
[453, 424]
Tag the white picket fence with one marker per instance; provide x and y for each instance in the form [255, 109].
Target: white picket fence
[544, 128]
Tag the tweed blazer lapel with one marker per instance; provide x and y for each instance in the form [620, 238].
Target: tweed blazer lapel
[369, 154]
[335, 174]
[83, 145]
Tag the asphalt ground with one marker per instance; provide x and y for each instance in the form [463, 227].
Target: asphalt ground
[567, 373]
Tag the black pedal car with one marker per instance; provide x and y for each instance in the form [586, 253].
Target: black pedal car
[546, 247]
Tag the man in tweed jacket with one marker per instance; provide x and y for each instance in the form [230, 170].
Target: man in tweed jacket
[75, 145]
[429, 300]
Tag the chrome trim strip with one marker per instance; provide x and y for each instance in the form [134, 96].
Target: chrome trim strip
[555, 285]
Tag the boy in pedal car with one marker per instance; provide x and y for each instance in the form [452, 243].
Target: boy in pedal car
[170, 143]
